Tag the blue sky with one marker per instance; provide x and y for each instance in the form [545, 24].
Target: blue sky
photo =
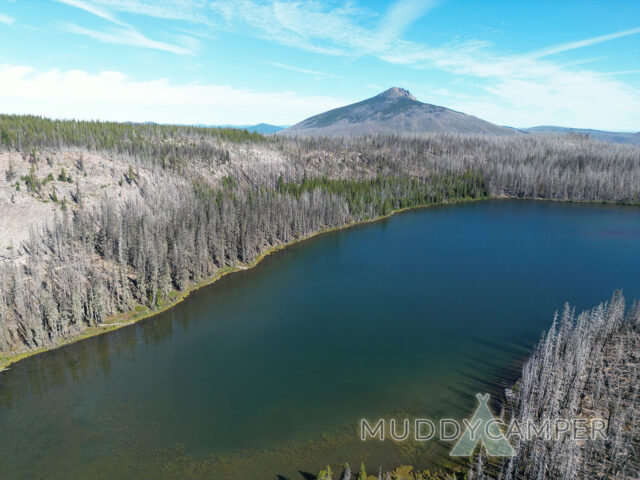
[518, 63]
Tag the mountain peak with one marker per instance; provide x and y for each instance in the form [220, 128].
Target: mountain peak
[393, 112]
[396, 92]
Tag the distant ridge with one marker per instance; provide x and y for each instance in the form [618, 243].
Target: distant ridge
[394, 111]
[263, 128]
[605, 136]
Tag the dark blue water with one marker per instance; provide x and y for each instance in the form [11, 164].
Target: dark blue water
[268, 371]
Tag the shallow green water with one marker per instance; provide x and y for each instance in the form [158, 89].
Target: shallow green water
[268, 371]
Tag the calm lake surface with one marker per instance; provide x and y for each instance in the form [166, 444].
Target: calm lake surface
[268, 371]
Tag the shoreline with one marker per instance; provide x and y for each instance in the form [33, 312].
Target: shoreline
[118, 321]
[140, 312]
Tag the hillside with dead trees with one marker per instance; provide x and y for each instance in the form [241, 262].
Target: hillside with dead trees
[114, 217]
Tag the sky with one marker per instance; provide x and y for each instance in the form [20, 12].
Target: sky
[519, 63]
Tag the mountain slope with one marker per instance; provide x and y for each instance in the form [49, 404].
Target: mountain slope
[394, 111]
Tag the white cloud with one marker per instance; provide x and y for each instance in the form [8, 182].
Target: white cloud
[114, 96]
[571, 100]
[6, 19]
[522, 91]
[129, 36]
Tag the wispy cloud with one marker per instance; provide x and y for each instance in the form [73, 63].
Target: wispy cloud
[115, 96]
[623, 72]
[305, 24]
[6, 19]
[565, 47]
[93, 9]
[583, 61]
[402, 14]
[315, 73]
[189, 10]
[128, 36]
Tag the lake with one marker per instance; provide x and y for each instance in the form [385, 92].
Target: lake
[266, 373]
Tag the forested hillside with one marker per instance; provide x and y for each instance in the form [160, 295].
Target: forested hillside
[130, 215]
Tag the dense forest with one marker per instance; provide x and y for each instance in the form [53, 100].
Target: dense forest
[207, 199]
